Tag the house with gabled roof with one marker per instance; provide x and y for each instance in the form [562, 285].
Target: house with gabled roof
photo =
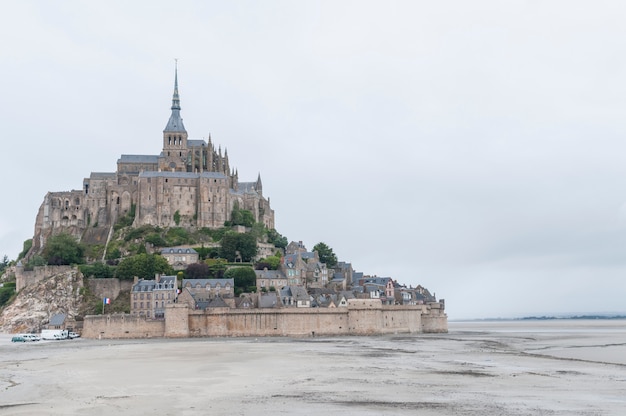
[270, 278]
[210, 288]
[295, 296]
[149, 297]
[180, 257]
[294, 267]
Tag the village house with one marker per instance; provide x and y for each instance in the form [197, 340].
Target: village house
[149, 297]
[180, 258]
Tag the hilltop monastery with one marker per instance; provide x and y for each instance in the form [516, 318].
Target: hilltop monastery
[189, 182]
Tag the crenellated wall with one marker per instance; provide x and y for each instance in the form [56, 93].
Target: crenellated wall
[361, 317]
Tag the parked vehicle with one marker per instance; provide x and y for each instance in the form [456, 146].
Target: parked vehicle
[54, 334]
[18, 338]
[73, 335]
[30, 337]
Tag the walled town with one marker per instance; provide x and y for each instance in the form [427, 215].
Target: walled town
[191, 187]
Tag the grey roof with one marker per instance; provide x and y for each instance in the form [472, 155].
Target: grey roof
[138, 159]
[270, 274]
[210, 282]
[297, 292]
[195, 143]
[268, 300]
[184, 175]
[96, 175]
[173, 250]
[150, 285]
[175, 123]
[247, 187]
[57, 319]
[217, 302]
[377, 280]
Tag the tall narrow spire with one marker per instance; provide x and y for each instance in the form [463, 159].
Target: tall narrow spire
[175, 97]
[175, 123]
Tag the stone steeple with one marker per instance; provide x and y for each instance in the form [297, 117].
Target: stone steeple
[175, 152]
[175, 123]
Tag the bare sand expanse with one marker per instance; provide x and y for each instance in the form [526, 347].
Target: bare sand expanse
[487, 368]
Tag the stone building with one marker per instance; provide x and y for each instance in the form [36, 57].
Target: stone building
[179, 258]
[149, 297]
[190, 183]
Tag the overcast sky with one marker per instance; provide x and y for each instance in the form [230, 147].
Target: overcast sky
[475, 148]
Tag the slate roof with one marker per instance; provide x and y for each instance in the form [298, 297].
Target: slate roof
[138, 159]
[270, 274]
[195, 143]
[211, 282]
[57, 319]
[268, 300]
[182, 175]
[217, 302]
[245, 188]
[173, 250]
[150, 285]
[96, 175]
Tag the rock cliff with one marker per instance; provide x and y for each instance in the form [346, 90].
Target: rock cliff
[37, 303]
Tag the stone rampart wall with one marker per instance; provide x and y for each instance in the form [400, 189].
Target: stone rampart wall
[25, 278]
[109, 288]
[361, 317]
[121, 326]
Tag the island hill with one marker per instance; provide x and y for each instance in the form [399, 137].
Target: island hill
[174, 245]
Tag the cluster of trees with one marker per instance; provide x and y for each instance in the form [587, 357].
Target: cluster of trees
[6, 291]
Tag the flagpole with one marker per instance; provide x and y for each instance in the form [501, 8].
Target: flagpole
[103, 305]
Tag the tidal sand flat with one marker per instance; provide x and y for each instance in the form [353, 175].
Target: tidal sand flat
[478, 368]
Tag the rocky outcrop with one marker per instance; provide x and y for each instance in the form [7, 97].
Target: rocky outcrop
[36, 304]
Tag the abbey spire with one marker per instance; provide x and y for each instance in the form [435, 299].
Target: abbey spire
[175, 123]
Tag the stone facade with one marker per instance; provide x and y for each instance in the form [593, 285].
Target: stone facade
[150, 297]
[180, 257]
[361, 317]
[189, 184]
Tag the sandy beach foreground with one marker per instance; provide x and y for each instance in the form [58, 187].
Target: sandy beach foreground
[478, 368]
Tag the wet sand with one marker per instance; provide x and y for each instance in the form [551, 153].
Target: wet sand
[478, 368]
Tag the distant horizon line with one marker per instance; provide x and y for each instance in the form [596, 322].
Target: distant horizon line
[546, 317]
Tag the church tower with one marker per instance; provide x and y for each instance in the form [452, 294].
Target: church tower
[174, 136]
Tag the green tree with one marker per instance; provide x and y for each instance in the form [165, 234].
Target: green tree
[271, 262]
[97, 270]
[6, 291]
[177, 217]
[233, 242]
[241, 216]
[217, 268]
[63, 249]
[326, 254]
[143, 266]
[275, 238]
[197, 271]
[4, 263]
[35, 260]
[244, 277]
[25, 248]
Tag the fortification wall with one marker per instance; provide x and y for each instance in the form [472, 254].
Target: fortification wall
[268, 322]
[361, 317]
[109, 288]
[25, 278]
[121, 326]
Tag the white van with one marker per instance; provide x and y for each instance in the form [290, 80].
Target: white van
[30, 337]
[54, 334]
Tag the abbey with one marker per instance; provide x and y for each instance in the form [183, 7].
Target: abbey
[189, 184]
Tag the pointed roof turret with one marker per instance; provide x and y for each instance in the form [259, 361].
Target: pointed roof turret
[175, 123]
